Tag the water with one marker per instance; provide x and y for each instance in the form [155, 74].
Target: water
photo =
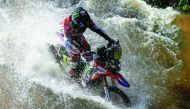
[30, 78]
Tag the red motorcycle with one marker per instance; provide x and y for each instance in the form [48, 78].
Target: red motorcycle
[103, 63]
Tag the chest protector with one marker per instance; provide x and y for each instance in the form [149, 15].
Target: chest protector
[70, 30]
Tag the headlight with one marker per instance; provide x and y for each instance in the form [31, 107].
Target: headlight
[117, 53]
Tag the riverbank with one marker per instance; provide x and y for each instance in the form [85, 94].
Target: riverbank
[183, 86]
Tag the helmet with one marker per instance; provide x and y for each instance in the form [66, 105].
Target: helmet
[80, 16]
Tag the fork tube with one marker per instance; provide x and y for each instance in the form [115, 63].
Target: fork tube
[106, 91]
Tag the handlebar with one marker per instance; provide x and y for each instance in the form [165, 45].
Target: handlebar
[94, 55]
[110, 48]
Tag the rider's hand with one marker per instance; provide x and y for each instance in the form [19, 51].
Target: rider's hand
[111, 41]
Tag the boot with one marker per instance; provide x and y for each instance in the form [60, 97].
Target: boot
[74, 74]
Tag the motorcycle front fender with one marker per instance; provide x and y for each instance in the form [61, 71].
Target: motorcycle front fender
[116, 77]
[119, 79]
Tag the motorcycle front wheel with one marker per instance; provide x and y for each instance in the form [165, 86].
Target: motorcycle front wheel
[118, 97]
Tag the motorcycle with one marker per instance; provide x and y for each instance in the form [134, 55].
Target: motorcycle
[103, 63]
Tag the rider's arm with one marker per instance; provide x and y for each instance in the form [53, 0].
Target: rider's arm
[98, 30]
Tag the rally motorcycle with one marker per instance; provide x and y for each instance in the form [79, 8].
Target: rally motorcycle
[103, 63]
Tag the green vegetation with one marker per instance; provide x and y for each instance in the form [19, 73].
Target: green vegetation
[184, 5]
[181, 5]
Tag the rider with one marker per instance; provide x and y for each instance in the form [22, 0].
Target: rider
[74, 41]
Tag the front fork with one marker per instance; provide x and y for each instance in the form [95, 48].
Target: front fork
[106, 91]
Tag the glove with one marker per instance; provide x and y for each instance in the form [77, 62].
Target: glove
[111, 42]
